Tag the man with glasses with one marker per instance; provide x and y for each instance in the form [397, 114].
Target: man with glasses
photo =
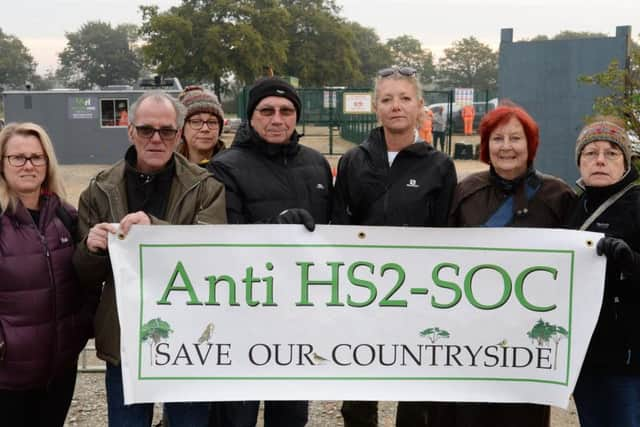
[270, 178]
[151, 185]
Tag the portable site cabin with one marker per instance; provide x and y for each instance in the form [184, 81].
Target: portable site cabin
[86, 127]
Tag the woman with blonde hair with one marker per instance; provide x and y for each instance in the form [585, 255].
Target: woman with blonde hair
[45, 316]
[395, 179]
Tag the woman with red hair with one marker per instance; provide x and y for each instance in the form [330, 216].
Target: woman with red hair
[512, 193]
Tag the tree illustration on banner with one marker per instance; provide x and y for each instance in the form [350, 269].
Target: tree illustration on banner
[434, 334]
[154, 331]
[543, 332]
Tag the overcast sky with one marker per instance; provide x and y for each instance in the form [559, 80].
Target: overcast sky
[41, 24]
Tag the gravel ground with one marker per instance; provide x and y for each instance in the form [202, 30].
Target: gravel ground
[88, 408]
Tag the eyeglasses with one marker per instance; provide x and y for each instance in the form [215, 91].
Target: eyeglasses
[403, 71]
[147, 132]
[271, 111]
[198, 123]
[609, 155]
[19, 160]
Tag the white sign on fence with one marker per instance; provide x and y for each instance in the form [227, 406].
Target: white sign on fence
[254, 312]
[357, 103]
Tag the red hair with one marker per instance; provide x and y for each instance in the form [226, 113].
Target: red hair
[500, 116]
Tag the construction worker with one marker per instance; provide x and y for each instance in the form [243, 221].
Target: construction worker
[426, 127]
[468, 113]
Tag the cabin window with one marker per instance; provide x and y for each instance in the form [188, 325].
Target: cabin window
[114, 112]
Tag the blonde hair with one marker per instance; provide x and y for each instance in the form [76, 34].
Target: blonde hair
[413, 80]
[53, 180]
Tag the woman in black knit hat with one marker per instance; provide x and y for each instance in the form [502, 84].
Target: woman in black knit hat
[608, 390]
[202, 126]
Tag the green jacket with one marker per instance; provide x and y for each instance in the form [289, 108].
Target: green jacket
[195, 198]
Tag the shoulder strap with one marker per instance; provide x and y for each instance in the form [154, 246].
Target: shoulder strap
[504, 214]
[603, 207]
[69, 222]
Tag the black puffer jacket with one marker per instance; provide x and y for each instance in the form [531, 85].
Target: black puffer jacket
[416, 190]
[261, 179]
[615, 344]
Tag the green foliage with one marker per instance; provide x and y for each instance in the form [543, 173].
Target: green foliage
[321, 50]
[468, 63]
[16, 64]
[155, 330]
[434, 334]
[98, 54]
[407, 50]
[623, 90]
[373, 54]
[203, 41]
[543, 332]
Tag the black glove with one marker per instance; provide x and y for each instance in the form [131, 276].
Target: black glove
[620, 254]
[296, 216]
[615, 250]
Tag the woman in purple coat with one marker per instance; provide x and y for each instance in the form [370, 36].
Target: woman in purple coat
[45, 317]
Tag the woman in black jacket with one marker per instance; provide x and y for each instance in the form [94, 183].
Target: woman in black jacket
[393, 179]
[608, 389]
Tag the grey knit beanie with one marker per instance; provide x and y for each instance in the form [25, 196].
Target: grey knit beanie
[199, 100]
[604, 131]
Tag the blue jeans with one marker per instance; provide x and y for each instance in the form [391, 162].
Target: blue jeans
[608, 400]
[178, 414]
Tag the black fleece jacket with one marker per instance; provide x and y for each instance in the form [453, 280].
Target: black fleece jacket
[416, 190]
[262, 179]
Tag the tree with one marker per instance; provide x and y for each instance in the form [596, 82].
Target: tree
[469, 63]
[155, 330]
[434, 334]
[203, 41]
[16, 64]
[407, 51]
[321, 45]
[98, 54]
[543, 332]
[623, 85]
[372, 53]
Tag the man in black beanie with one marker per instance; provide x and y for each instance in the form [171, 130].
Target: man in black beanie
[270, 178]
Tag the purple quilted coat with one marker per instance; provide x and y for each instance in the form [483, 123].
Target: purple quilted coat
[45, 316]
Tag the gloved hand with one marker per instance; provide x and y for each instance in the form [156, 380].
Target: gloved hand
[296, 216]
[614, 249]
[620, 254]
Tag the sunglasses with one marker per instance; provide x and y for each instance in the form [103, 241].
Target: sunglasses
[403, 71]
[147, 132]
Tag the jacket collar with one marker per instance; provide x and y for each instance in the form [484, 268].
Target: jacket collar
[376, 146]
[112, 181]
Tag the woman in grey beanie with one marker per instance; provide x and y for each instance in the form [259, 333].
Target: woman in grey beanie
[202, 125]
[608, 389]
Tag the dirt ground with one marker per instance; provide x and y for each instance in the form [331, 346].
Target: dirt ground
[88, 408]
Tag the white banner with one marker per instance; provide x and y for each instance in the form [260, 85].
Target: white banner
[256, 312]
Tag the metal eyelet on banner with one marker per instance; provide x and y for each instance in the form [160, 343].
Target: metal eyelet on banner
[362, 235]
[589, 243]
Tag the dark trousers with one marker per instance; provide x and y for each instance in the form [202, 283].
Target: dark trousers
[177, 414]
[608, 400]
[457, 414]
[41, 407]
[245, 413]
[358, 413]
[438, 136]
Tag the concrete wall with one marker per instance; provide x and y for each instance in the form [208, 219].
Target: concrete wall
[542, 77]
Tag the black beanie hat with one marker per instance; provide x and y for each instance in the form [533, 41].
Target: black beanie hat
[272, 86]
